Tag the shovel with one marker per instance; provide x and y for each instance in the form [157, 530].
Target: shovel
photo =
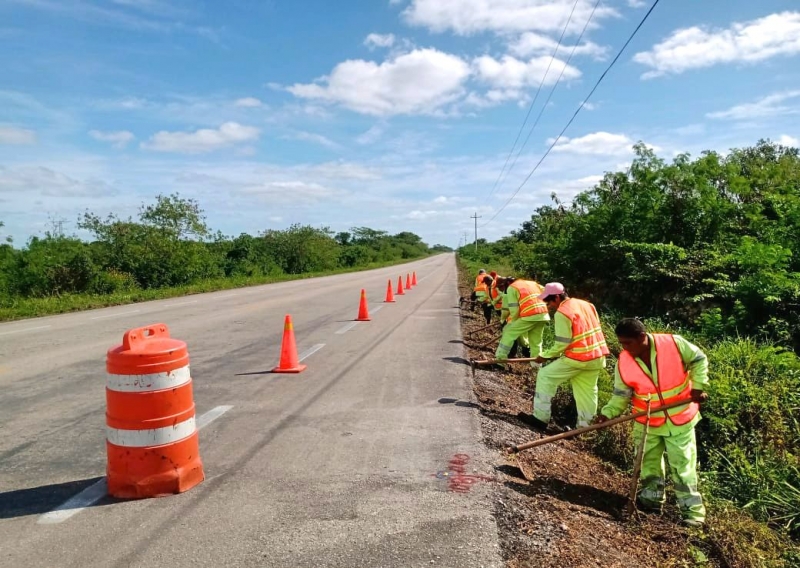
[512, 449]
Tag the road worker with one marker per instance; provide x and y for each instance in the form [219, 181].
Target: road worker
[579, 351]
[527, 316]
[478, 280]
[482, 296]
[664, 368]
[495, 295]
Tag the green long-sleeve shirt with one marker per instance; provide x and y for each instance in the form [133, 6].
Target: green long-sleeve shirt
[694, 361]
[563, 332]
[511, 304]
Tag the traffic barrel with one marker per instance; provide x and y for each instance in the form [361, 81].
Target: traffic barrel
[151, 434]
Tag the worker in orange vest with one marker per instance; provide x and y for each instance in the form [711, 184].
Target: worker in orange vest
[527, 317]
[662, 368]
[483, 297]
[580, 354]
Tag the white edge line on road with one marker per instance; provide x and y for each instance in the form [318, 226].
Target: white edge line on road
[224, 296]
[310, 351]
[99, 489]
[347, 328]
[179, 304]
[116, 315]
[26, 329]
[378, 308]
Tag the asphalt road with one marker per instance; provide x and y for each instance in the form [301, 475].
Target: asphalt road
[346, 464]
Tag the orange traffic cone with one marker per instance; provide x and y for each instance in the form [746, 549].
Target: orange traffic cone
[290, 363]
[363, 312]
[414, 278]
[389, 295]
[400, 286]
[408, 282]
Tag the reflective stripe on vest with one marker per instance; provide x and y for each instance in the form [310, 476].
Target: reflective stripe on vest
[529, 302]
[588, 342]
[673, 382]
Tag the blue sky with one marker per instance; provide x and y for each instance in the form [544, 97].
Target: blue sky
[393, 114]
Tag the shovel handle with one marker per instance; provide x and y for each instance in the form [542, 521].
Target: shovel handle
[578, 431]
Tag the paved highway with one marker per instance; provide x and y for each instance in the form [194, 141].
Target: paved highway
[349, 463]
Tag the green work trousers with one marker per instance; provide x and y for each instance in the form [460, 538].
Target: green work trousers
[584, 389]
[527, 332]
[681, 449]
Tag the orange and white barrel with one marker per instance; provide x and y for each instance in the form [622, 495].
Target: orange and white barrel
[151, 435]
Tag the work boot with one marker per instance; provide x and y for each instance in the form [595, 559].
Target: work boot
[533, 422]
[692, 523]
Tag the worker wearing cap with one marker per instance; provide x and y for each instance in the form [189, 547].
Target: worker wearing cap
[483, 297]
[527, 316]
[663, 368]
[478, 282]
[579, 351]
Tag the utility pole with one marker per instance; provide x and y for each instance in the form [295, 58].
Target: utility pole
[476, 217]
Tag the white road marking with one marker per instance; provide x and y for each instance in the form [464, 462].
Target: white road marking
[212, 415]
[378, 308]
[347, 328]
[225, 296]
[179, 304]
[311, 350]
[26, 329]
[116, 315]
[96, 491]
[76, 504]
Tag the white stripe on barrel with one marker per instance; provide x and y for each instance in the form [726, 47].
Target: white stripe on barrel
[152, 437]
[152, 382]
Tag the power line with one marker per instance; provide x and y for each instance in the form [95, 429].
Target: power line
[530, 108]
[575, 114]
[550, 96]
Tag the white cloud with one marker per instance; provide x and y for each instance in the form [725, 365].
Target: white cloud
[466, 17]
[118, 139]
[597, 143]
[637, 3]
[291, 191]
[764, 107]
[787, 140]
[46, 181]
[379, 40]
[748, 42]
[419, 82]
[531, 43]
[372, 135]
[15, 135]
[512, 73]
[248, 102]
[589, 106]
[203, 140]
[316, 139]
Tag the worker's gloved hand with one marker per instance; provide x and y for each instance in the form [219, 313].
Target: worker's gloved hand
[540, 360]
[600, 418]
[699, 396]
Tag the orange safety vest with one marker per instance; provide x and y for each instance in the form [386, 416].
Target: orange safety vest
[495, 296]
[529, 302]
[673, 383]
[479, 279]
[588, 342]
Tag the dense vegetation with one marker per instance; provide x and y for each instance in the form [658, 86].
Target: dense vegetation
[709, 248]
[171, 246]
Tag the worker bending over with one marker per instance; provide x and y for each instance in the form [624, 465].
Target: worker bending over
[664, 368]
[527, 316]
[580, 353]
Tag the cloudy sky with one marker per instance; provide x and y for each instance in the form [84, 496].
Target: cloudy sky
[394, 114]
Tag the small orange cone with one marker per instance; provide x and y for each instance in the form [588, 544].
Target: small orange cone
[289, 360]
[400, 286]
[408, 282]
[363, 312]
[414, 278]
[389, 295]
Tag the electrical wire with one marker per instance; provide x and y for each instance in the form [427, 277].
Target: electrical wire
[553, 90]
[575, 114]
[536, 96]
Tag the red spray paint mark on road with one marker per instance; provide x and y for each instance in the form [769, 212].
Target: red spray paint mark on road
[458, 480]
